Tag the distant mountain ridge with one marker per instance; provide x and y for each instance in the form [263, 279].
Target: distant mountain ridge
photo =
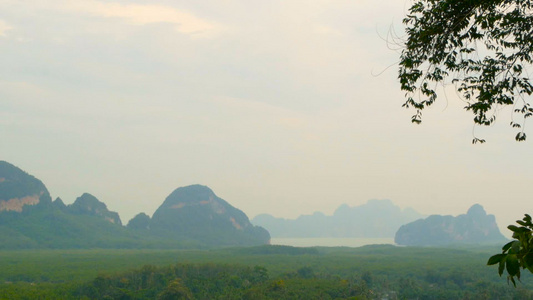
[190, 217]
[374, 219]
[474, 227]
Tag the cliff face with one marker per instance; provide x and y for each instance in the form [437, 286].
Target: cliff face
[19, 190]
[196, 213]
[474, 227]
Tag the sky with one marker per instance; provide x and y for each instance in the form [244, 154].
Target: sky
[280, 107]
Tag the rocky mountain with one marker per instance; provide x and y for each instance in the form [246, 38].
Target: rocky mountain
[195, 213]
[474, 227]
[190, 217]
[19, 189]
[375, 219]
[87, 204]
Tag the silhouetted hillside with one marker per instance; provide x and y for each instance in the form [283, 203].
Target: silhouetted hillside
[140, 222]
[87, 204]
[474, 227]
[375, 219]
[196, 213]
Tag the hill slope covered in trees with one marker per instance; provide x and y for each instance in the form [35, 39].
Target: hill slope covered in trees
[191, 217]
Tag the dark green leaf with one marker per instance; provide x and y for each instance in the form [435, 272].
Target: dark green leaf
[527, 218]
[528, 261]
[496, 259]
[507, 246]
[513, 266]
[515, 247]
[501, 267]
[512, 280]
[513, 228]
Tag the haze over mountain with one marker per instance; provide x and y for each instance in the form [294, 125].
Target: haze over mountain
[474, 227]
[376, 218]
[191, 216]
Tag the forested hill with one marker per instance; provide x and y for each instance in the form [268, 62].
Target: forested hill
[18, 189]
[195, 213]
[375, 219]
[191, 217]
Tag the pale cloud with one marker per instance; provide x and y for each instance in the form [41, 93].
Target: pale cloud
[144, 14]
[4, 27]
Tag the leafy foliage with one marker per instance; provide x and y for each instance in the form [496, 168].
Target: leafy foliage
[483, 47]
[517, 254]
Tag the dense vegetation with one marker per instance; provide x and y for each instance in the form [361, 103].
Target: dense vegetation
[265, 272]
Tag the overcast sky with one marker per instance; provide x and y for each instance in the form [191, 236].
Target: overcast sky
[280, 107]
